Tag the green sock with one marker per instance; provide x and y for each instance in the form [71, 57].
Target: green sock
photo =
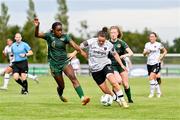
[79, 91]
[159, 80]
[128, 93]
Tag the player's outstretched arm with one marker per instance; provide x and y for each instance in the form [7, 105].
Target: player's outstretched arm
[36, 24]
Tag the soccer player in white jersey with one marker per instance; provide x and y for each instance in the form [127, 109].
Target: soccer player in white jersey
[100, 65]
[8, 70]
[153, 52]
[76, 65]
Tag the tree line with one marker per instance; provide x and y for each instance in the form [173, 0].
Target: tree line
[135, 40]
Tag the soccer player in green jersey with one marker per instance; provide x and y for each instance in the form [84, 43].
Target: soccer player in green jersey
[58, 60]
[124, 51]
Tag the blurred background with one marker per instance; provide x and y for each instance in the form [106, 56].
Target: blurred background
[83, 18]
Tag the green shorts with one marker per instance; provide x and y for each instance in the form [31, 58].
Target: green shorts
[118, 68]
[57, 69]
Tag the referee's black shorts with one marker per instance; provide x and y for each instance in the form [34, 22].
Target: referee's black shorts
[20, 67]
[154, 68]
[100, 76]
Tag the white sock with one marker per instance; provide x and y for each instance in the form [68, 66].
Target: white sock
[6, 80]
[152, 86]
[31, 76]
[158, 88]
[120, 95]
[82, 98]
[114, 97]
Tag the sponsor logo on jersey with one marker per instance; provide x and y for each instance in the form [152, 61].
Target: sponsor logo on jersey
[99, 52]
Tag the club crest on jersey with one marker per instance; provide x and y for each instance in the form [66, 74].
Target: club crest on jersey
[53, 44]
[119, 45]
[53, 37]
[105, 48]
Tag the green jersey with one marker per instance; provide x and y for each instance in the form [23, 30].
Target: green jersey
[57, 48]
[120, 47]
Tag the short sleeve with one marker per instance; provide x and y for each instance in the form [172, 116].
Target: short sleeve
[67, 38]
[84, 44]
[46, 36]
[90, 41]
[112, 49]
[146, 47]
[124, 44]
[27, 47]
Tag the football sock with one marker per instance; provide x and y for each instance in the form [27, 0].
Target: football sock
[158, 88]
[80, 92]
[152, 86]
[114, 95]
[120, 95]
[6, 80]
[128, 93]
[60, 91]
[159, 80]
[25, 84]
[19, 82]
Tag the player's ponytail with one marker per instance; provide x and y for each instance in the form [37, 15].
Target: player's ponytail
[105, 30]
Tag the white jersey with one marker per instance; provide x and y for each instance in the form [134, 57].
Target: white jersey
[98, 55]
[75, 64]
[153, 56]
[7, 51]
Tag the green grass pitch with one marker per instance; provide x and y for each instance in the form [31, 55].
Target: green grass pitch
[42, 103]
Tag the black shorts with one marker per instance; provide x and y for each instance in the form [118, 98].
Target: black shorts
[100, 76]
[20, 67]
[154, 68]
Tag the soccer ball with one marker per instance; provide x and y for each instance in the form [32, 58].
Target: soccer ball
[106, 100]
